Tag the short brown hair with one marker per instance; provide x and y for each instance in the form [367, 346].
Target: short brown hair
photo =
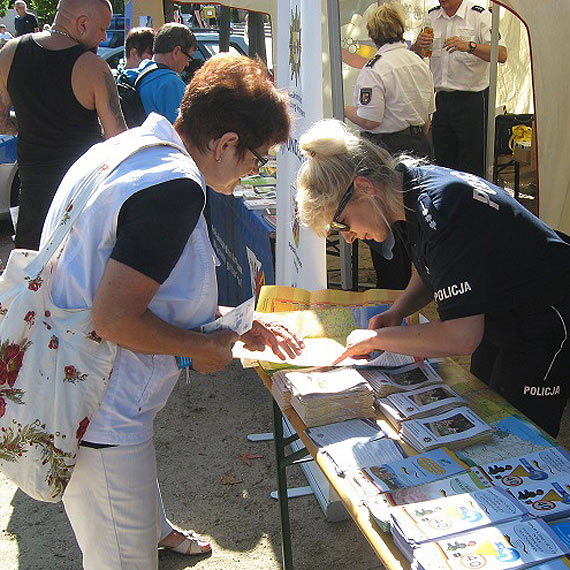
[232, 93]
[141, 39]
[171, 35]
[386, 25]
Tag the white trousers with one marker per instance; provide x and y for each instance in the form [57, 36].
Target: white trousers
[114, 506]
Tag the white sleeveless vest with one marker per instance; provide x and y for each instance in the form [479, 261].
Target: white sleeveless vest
[140, 383]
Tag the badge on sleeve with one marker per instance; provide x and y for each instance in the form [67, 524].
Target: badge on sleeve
[365, 95]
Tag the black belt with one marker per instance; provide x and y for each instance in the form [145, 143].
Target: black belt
[95, 445]
[415, 131]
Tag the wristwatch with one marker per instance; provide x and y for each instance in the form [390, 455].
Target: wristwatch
[472, 47]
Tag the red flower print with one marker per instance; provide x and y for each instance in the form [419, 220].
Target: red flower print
[70, 371]
[2, 406]
[47, 314]
[53, 343]
[30, 317]
[10, 364]
[82, 428]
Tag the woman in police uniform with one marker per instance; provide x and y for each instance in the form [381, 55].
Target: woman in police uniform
[393, 101]
[499, 275]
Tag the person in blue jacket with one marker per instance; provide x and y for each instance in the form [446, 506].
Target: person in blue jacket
[499, 275]
[161, 90]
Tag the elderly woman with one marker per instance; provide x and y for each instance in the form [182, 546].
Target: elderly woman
[140, 256]
[499, 275]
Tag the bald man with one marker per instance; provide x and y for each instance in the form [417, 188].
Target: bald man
[65, 100]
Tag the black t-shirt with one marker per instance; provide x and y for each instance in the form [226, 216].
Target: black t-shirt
[25, 24]
[479, 250]
[154, 225]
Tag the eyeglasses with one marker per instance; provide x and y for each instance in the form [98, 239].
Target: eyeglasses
[335, 224]
[260, 160]
[188, 55]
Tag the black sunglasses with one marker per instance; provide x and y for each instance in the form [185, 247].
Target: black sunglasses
[261, 160]
[335, 224]
[190, 58]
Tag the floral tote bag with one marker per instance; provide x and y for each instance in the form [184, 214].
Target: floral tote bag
[54, 369]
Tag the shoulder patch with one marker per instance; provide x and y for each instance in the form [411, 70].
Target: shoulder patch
[433, 9]
[478, 8]
[373, 60]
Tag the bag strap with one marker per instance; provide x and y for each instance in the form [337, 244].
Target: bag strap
[81, 196]
[147, 71]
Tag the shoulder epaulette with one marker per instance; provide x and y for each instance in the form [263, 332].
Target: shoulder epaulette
[478, 8]
[433, 9]
[373, 60]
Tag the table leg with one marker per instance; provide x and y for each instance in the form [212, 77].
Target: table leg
[286, 551]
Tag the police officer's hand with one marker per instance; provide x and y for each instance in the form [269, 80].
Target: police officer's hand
[359, 344]
[277, 336]
[423, 40]
[217, 353]
[455, 43]
[389, 318]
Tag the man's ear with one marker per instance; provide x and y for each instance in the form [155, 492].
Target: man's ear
[81, 24]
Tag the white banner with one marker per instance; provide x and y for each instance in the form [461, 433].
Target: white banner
[300, 254]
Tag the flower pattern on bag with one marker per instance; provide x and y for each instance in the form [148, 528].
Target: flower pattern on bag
[53, 343]
[73, 375]
[34, 284]
[17, 439]
[3, 311]
[11, 358]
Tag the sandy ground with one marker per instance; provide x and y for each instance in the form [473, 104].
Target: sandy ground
[200, 436]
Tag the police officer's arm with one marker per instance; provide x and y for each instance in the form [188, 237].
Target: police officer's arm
[482, 51]
[351, 114]
[422, 41]
[413, 298]
[7, 124]
[93, 85]
[435, 339]
[121, 315]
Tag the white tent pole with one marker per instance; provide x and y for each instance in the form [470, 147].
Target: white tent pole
[490, 146]
[335, 58]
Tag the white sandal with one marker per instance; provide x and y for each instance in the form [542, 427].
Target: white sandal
[191, 545]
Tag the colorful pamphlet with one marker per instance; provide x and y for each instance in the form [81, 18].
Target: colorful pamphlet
[455, 428]
[468, 482]
[506, 546]
[421, 522]
[408, 472]
[549, 499]
[539, 466]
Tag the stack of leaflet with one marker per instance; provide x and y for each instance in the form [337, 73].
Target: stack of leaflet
[507, 546]
[419, 403]
[409, 472]
[455, 428]
[403, 379]
[324, 396]
[545, 499]
[467, 482]
[258, 192]
[280, 390]
[538, 466]
[418, 523]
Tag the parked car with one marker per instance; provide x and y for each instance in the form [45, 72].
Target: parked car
[208, 45]
[9, 179]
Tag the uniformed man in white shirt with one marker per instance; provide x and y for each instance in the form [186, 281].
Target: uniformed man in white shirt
[461, 51]
[393, 102]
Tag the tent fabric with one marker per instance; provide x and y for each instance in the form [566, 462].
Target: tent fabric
[546, 22]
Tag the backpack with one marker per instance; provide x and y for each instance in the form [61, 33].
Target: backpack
[129, 98]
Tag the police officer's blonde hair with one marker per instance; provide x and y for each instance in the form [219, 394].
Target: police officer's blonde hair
[386, 24]
[334, 157]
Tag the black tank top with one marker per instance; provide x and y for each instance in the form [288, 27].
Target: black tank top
[54, 129]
